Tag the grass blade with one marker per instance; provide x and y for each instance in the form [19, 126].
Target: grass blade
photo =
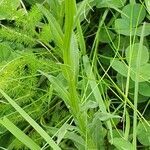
[21, 136]
[136, 89]
[36, 126]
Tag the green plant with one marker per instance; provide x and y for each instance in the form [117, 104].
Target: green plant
[74, 74]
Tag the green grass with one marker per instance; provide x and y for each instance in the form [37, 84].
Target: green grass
[74, 75]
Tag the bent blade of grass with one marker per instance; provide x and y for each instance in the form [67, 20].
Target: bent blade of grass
[35, 125]
[21, 136]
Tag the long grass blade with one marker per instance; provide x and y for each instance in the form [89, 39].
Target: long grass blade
[20, 135]
[35, 125]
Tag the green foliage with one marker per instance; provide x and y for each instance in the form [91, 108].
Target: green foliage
[20, 80]
[14, 35]
[46, 34]
[131, 57]
[122, 144]
[120, 67]
[130, 11]
[74, 74]
[106, 35]
[8, 9]
[97, 132]
[19, 134]
[110, 3]
[143, 134]
[129, 23]
[147, 3]
[32, 2]
[5, 52]
[144, 88]
[132, 54]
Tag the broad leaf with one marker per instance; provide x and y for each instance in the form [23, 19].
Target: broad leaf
[93, 83]
[120, 67]
[135, 13]
[144, 73]
[122, 26]
[132, 54]
[69, 134]
[106, 36]
[57, 33]
[74, 55]
[122, 144]
[143, 133]
[146, 30]
[97, 132]
[104, 116]
[94, 87]
[58, 87]
[144, 88]
[141, 98]
[116, 134]
[89, 105]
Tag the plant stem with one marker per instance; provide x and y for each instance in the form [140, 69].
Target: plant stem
[136, 89]
[80, 117]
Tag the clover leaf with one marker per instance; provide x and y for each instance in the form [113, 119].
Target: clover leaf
[134, 14]
[143, 134]
[120, 67]
[144, 88]
[132, 54]
[130, 22]
[143, 74]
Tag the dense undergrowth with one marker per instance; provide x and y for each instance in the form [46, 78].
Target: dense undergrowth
[74, 74]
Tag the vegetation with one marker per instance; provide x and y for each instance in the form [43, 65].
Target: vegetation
[74, 75]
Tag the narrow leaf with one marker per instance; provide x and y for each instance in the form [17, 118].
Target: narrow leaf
[21, 136]
[35, 125]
